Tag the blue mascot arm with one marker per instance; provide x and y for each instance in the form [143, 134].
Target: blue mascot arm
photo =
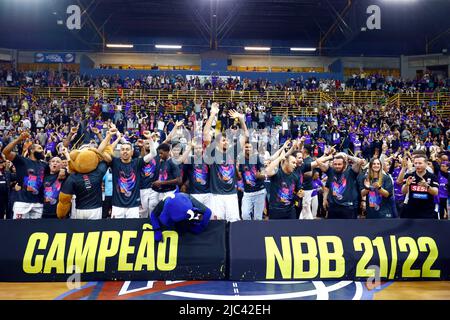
[156, 227]
[155, 221]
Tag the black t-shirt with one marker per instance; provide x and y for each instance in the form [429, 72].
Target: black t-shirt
[52, 187]
[197, 174]
[126, 180]
[149, 173]
[249, 172]
[223, 173]
[282, 189]
[86, 187]
[3, 185]
[30, 176]
[378, 206]
[343, 188]
[420, 203]
[307, 179]
[305, 167]
[168, 170]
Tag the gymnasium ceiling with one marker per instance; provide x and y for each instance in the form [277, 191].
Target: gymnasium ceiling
[407, 26]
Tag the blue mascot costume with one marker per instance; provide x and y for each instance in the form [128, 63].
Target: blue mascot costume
[180, 212]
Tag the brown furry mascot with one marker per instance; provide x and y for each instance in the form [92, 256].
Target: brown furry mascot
[82, 161]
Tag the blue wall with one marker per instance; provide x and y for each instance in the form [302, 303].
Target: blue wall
[336, 67]
[214, 64]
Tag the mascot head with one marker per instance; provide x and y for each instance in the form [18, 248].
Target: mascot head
[86, 160]
[82, 161]
[180, 214]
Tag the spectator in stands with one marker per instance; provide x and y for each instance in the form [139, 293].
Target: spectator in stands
[396, 130]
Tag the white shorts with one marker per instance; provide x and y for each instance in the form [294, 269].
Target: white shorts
[149, 200]
[253, 204]
[225, 207]
[163, 195]
[74, 207]
[204, 198]
[125, 213]
[306, 213]
[87, 214]
[24, 210]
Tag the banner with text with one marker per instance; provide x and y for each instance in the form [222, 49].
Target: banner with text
[51, 57]
[115, 249]
[397, 249]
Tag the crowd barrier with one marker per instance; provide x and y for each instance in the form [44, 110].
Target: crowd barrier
[55, 250]
[114, 249]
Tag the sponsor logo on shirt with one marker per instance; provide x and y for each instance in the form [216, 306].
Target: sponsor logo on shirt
[200, 174]
[51, 192]
[285, 193]
[149, 169]
[226, 173]
[126, 183]
[417, 188]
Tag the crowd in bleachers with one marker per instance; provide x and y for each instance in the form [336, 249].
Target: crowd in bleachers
[374, 82]
[355, 161]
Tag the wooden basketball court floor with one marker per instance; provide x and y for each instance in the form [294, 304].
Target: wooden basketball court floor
[226, 290]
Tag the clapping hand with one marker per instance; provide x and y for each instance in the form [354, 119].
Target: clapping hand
[423, 183]
[410, 180]
[376, 185]
[236, 115]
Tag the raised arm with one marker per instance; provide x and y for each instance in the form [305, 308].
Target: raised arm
[402, 173]
[97, 132]
[106, 141]
[207, 129]
[324, 164]
[320, 162]
[236, 115]
[7, 151]
[278, 152]
[70, 136]
[118, 138]
[187, 152]
[172, 133]
[148, 157]
[271, 168]
[357, 163]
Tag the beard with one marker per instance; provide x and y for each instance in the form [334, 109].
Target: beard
[39, 155]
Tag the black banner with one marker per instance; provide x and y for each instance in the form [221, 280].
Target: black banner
[114, 249]
[397, 249]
